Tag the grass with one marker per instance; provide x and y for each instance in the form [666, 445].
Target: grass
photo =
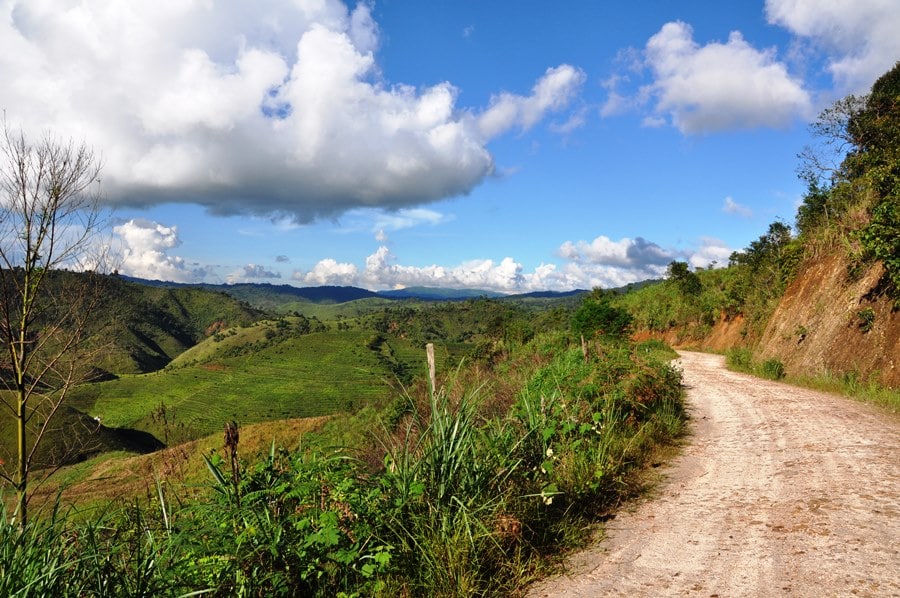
[307, 376]
[849, 384]
[463, 494]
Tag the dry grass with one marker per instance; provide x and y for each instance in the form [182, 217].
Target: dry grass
[115, 476]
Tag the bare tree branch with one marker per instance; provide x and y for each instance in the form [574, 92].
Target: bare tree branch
[50, 219]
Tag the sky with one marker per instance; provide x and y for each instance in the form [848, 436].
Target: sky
[510, 146]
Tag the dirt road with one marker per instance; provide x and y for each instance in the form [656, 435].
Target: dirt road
[780, 492]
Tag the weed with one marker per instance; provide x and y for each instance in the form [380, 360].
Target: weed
[772, 369]
[865, 319]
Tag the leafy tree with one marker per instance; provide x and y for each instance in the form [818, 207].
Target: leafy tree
[876, 130]
[688, 282]
[597, 316]
[857, 163]
[49, 220]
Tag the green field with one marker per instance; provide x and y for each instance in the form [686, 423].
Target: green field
[305, 376]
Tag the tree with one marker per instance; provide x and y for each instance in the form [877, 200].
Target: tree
[49, 223]
[688, 282]
[596, 317]
[877, 165]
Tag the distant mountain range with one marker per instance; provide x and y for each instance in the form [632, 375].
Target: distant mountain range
[269, 295]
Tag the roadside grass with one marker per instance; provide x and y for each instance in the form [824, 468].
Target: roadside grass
[850, 385]
[462, 491]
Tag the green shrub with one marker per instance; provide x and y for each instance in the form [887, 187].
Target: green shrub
[772, 369]
[865, 319]
[740, 359]
[597, 316]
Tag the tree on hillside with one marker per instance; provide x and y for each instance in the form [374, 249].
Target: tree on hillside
[597, 317]
[876, 164]
[688, 282]
[49, 222]
[856, 163]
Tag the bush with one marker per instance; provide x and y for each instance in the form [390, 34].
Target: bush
[597, 317]
[740, 359]
[772, 369]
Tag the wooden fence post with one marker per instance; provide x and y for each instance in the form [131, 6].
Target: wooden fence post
[429, 354]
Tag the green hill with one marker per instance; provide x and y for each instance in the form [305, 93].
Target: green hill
[149, 326]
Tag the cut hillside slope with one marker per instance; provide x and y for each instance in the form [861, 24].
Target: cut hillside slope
[826, 323]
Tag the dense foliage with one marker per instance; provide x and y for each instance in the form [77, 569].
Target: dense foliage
[860, 197]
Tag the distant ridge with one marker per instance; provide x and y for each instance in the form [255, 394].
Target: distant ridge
[548, 294]
[438, 294]
[266, 295]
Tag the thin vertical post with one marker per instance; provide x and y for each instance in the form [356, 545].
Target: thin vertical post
[429, 354]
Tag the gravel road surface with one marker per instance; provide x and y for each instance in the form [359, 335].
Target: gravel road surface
[780, 491]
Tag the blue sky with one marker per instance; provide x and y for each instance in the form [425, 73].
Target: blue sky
[510, 146]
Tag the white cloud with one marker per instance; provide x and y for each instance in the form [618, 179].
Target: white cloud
[601, 262]
[632, 253]
[144, 246]
[270, 107]
[712, 251]
[400, 219]
[607, 263]
[382, 271]
[729, 206]
[329, 272]
[861, 36]
[720, 86]
[551, 93]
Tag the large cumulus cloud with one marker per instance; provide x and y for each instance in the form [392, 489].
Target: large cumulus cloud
[860, 36]
[701, 86]
[720, 86]
[266, 107]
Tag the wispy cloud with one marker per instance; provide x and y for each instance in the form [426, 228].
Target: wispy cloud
[729, 206]
[253, 272]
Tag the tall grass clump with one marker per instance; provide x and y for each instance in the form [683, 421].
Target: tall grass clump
[447, 474]
[34, 561]
[741, 359]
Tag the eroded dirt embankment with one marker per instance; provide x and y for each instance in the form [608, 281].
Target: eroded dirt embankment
[781, 491]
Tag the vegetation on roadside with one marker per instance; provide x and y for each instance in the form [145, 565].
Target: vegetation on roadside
[851, 209]
[456, 492]
[850, 384]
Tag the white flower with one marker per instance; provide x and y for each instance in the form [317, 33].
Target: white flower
[549, 452]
